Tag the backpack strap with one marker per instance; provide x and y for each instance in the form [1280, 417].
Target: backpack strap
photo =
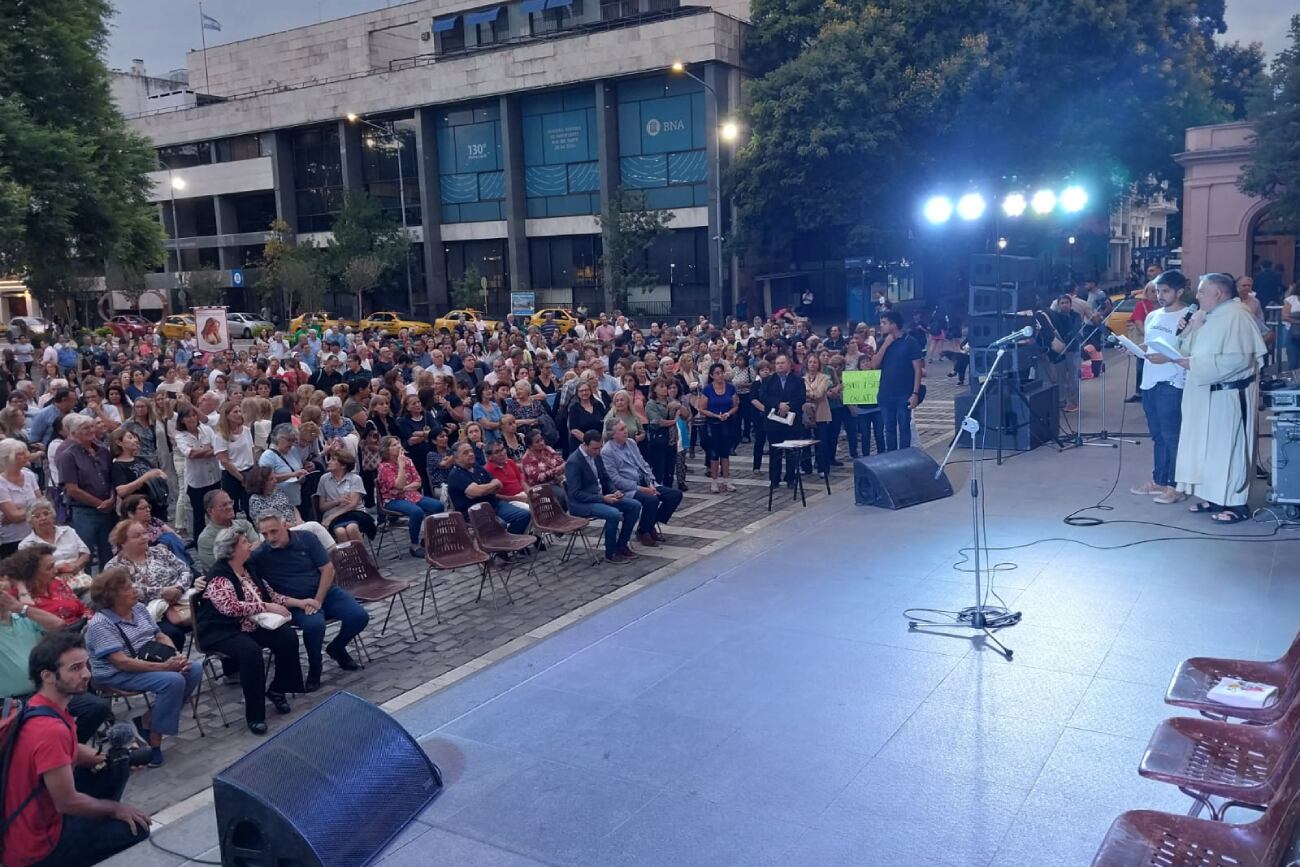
[24, 715]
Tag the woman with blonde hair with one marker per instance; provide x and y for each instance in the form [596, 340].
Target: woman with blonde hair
[621, 410]
[233, 445]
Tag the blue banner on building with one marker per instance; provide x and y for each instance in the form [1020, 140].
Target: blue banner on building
[523, 303]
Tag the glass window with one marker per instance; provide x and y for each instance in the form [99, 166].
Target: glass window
[185, 155]
[318, 176]
[243, 147]
[254, 212]
[496, 30]
[453, 39]
[390, 167]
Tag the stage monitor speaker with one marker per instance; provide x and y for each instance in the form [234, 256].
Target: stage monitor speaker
[1017, 363]
[331, 790]
[983, 330]
[994, 269]
[898, 479]
[985, 300]
[1015, 416]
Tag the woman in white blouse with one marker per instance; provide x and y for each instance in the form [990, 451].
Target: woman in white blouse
[18, 490]
[233, 444]
[195, 441]
[70, 553]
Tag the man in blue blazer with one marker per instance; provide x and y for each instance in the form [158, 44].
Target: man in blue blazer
[592, 495]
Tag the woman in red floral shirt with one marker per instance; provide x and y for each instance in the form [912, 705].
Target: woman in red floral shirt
[399, 489]
[35, 583]
[543, 465]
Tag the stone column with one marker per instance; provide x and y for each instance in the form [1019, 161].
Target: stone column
[435, 261]
[354, 177]
[227, 224]
[286, 200]
[512, 143]
[607, 147]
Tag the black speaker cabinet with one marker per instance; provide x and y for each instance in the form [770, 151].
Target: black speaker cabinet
[983, 330]
[1014, 416]
[331, 790]
[896, 480]
[995, 269]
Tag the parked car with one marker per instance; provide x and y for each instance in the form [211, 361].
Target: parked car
[126, 325]
[392, 323]
[1119, 317]
[177, 327]
[563, 317]
[244, 324]
[318, 319]
[31, 324]
[445, 324]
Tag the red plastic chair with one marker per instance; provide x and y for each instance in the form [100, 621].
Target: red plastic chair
[548, 517]
[1194, 678]
[356, 573]
[494, 538]
[1148, 838]
[449, 546]
[1242, 764]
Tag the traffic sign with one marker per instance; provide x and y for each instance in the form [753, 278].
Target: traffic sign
[237, 278]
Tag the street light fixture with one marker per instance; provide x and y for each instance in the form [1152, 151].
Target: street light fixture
[1043, 202]
[1073, 199]
[390, 135]
[938, 209]
[971, 206]
[1014, 205]
[729, 131]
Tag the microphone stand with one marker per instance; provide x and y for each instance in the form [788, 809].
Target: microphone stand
[984, 618]
[1103, 437]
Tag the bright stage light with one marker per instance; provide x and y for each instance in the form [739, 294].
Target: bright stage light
[971, 206]
[938, 209]
[1002, 243]
[1014, 205]
[1073, 199]
[1043, 202]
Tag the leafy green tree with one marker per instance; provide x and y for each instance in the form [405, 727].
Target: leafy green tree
[73, 191]
[863, 105]
[362, 275]
[1274, 168]
[1238, 77]
[292, 273]
[204, 287]
[629, 230]
[468, 290]
[363, 231]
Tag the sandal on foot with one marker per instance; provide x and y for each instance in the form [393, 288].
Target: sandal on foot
[1203, 507]
[1228, 516]
[1168, 497]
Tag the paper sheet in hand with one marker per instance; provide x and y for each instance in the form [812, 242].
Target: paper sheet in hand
[787, 419]
[1130, 346]
[1160, 345]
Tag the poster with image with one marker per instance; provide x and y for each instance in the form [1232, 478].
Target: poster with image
[211, 330]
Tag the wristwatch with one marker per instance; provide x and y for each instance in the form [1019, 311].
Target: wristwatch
[23, 610]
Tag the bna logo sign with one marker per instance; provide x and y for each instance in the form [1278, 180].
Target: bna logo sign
[654, 126]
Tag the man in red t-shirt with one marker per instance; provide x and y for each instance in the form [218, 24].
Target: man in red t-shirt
[64, 819]
[507, 472]
[1145, 304]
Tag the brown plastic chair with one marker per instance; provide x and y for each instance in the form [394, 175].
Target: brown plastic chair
[1195, 677]
[356, 572]
[387, 522]
[448, 546]
[1148, 838]
[494, 538]
[1242, 764]
[548, 517]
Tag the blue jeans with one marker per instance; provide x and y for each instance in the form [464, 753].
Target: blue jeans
[896, 416]
[415, 513]
[628, 509]
[871, 429]
[170, 691]
[1163, 405]
[93, 526]
[515, 516]
[339, 605]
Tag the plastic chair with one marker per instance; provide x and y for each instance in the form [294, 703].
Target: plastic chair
[356, 573]
[1242, 764]
[1148, 838]
[448, 546]
[388, 522]
[494, 538]
[548, 517]
[1194, 678]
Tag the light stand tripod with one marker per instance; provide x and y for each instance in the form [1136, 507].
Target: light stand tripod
[1103, 437]
[987, 619]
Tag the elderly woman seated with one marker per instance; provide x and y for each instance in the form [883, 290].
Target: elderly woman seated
[265, 495]
[128, 652]
[70, 553]
[235, 618]
[138, 508]
[35, 582]
[159, 575]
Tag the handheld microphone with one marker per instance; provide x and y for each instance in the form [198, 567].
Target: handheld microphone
[1191, 311]
[1023, 334]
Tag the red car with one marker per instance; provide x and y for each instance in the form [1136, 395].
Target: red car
[129, 325]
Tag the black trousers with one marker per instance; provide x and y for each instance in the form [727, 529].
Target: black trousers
[246, 649]
[175, 632]
[235, 488]
[85, 841]
[196, 496]
[790, 455]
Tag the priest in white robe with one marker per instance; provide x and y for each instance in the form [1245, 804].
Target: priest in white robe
[1223, 354]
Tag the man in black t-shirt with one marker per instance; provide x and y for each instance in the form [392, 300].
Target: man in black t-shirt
[468, 484]
[899, 360]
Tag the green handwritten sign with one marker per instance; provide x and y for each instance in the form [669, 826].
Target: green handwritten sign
[861, 386]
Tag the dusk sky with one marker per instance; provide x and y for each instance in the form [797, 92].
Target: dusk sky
[159, 31]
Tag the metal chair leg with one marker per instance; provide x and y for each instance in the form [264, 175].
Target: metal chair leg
[210, 677]
[401, 597]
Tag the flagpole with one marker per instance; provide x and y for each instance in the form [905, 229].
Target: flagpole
[203, 35]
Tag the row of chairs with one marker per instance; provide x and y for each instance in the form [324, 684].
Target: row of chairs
[1253, 763]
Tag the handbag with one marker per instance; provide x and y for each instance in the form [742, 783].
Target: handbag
[151, 651]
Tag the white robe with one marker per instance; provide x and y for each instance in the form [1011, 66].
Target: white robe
[1214, 451]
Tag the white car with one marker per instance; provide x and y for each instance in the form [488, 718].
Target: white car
[244, 324]
[31, 323]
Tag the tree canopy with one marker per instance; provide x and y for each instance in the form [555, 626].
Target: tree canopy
[862, 106]
[72, 176]
[1274, 170]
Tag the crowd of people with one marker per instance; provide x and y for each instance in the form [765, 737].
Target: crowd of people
[153, 497]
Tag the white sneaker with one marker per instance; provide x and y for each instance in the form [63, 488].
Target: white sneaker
[726, 484]
[713, 487]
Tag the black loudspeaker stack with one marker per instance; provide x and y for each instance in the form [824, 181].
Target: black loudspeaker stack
[898, 479]
[1014, 416]
[331, 790]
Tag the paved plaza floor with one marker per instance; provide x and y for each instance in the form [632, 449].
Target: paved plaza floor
[765, 703]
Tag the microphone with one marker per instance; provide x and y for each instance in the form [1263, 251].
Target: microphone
[1187, 317]
[1023, 334]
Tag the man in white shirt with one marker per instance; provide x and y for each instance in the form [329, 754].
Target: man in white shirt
[1162, 388]
[278, 348]
[439, 366]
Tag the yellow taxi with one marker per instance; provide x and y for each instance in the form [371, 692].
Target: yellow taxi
[445, 324]
[562, 317]
[1122, 312]
[392, 323]
[177, 327]
[318, 319]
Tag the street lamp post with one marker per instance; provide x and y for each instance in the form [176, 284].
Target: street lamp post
[175, 183]
[724, 131]
[396, 140]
